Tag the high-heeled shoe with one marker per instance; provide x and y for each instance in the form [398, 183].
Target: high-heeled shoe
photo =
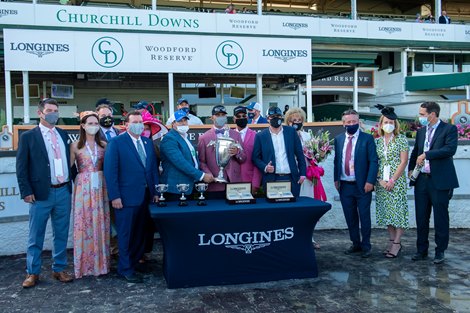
[387, 250]
[390, 255]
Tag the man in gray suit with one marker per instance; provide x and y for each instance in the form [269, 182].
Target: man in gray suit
[179, 159]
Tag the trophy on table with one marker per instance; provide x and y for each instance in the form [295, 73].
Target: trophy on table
[201, 187]
[161, 188]
[183, 188]
[222, 155]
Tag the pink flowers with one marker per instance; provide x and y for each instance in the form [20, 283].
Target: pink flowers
[318, 147]
[463, 131]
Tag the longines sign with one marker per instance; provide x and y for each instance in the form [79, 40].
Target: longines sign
[104, 18]
[69, 51]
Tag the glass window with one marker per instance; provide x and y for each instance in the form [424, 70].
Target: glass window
[424, 62]
[444, 63]
[466, 63]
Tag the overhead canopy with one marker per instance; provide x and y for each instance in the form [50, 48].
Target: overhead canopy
[415, 83]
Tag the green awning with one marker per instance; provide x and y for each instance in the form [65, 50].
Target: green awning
[439, 81]
[344, 57]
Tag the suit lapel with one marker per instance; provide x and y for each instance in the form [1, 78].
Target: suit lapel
[437, 132]
[42, 144]
[132, 147]
[341, 140]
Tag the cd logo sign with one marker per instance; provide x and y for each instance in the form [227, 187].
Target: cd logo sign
[229, 55]
[107, 52]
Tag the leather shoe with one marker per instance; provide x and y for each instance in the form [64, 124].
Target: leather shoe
[420, 256]
[439, 258]
[365, 254]
[353, 249]
[30, 281]
[63, 276]
[133, 278]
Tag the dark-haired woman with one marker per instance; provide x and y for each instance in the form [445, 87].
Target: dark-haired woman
[90, 204]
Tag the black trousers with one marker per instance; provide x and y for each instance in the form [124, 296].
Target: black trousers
[428, 198]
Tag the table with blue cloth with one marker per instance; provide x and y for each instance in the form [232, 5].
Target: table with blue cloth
[231, 244]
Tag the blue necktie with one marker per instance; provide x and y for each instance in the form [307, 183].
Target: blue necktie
[108, 135]
[141, 152]
[220, 131]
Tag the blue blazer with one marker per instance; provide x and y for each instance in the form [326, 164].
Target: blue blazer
[32, 164]
[440, 155]
[126, 176]
[177, 162]
[263, 152]
[365, 159]
[261, 120]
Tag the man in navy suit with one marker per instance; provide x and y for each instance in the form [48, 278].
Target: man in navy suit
[435, 145]
[278, 153]
[105, 115]
[355, 174]
[254, 114]
[130, 169]
[42, 169]
[179, 158]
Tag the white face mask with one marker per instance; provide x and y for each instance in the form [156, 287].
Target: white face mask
[388, 128]
[183, 129]
[92, 130]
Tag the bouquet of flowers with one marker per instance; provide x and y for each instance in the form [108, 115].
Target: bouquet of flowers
[317, 150]
[463, 131]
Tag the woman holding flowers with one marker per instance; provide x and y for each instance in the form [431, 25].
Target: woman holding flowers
[391, 198]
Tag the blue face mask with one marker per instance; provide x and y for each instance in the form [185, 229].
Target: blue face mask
[185, 110]
[136, 128]
[423, 120]
[351, 129]
[251, 115]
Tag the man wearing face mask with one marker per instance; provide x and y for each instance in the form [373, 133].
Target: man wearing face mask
[105, 118]
[42, 169]
[232, 172]
[131, 172]
[355, 174]
[183, 104]
[435, 146]
[254, 114]
[249, 171]
[179, 159]
[278, 153]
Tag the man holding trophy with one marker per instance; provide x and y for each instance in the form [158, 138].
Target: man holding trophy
[221, 153]
[179, 159]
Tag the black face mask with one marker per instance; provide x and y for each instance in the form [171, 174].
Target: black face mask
[106, 121]
[251, 115]
[297, 126]
[241, 122]
[352, 129]
[275, 122]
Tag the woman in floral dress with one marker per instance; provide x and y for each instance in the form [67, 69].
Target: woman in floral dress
[91, 228]
[391, 198]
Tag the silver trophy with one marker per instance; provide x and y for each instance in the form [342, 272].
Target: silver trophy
[183, 188]
[222, 155]
[161, 188]
[201, 187]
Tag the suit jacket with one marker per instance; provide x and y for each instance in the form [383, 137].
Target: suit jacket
[250, 173]
[365, 159]
[209, 165]
[177, 163]
[441, 150]
[263, 153]
[126, 176]
[103, 135]
[261, 120]
[442, 19]
[32, 164]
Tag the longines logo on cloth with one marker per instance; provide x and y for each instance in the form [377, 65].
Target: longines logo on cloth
[4, 12]
[107, 52]
[246, 241]
[229, 54]
[284, 54]
[39, 48]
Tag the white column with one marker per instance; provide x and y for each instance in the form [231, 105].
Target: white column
[438, 9]
[404, 71]
[308, 93]
[8, 105]
[171, 95]
[259, 92]
[154, 4]
[222, 100]
[259, 7]
[355, 90]
[353, 10]
[467, 89]
[26, 97]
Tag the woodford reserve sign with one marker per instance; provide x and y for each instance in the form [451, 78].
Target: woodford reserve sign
[365, 79]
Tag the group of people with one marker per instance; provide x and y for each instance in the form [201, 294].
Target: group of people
[443, 19]
[115, 173]
[363, 164]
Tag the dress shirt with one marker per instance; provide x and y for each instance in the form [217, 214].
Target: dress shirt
[282, 164]
[242, 133]
[46, 135]
[354, 140]
[112, 133]
[134, 140]
[427, 144]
